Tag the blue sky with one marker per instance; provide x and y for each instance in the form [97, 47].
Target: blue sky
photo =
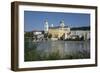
[34, 20]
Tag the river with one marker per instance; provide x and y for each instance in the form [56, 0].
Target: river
[73, 49]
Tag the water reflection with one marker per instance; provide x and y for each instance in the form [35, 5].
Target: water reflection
[52, 50]
[64, 47]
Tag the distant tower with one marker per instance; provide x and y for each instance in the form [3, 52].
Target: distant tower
[46, 26]
[62, 23]
[51, 25]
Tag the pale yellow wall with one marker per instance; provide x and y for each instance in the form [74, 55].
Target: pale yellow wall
[56, 33]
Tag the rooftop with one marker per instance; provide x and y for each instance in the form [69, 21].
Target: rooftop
[58, 27]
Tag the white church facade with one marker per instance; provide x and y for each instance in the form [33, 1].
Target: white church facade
[57, 32]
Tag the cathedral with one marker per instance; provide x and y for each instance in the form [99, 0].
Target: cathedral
[57, 32]
[62, 32]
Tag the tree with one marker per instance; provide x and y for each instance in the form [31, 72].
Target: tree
[28, 34]
[49, 35]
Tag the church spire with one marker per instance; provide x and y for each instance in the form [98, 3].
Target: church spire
[51, 25]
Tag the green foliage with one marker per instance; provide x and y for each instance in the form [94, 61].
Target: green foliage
[28, 34]
[49, 35]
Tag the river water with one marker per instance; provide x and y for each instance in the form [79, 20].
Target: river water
[69, 47]
[79, 49]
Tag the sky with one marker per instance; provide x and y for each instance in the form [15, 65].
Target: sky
[34, 20]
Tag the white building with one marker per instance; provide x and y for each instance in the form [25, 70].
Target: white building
[38, 35]
[81, 32]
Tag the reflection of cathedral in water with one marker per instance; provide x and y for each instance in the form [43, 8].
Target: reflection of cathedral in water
[58, 49]
[63, 48]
